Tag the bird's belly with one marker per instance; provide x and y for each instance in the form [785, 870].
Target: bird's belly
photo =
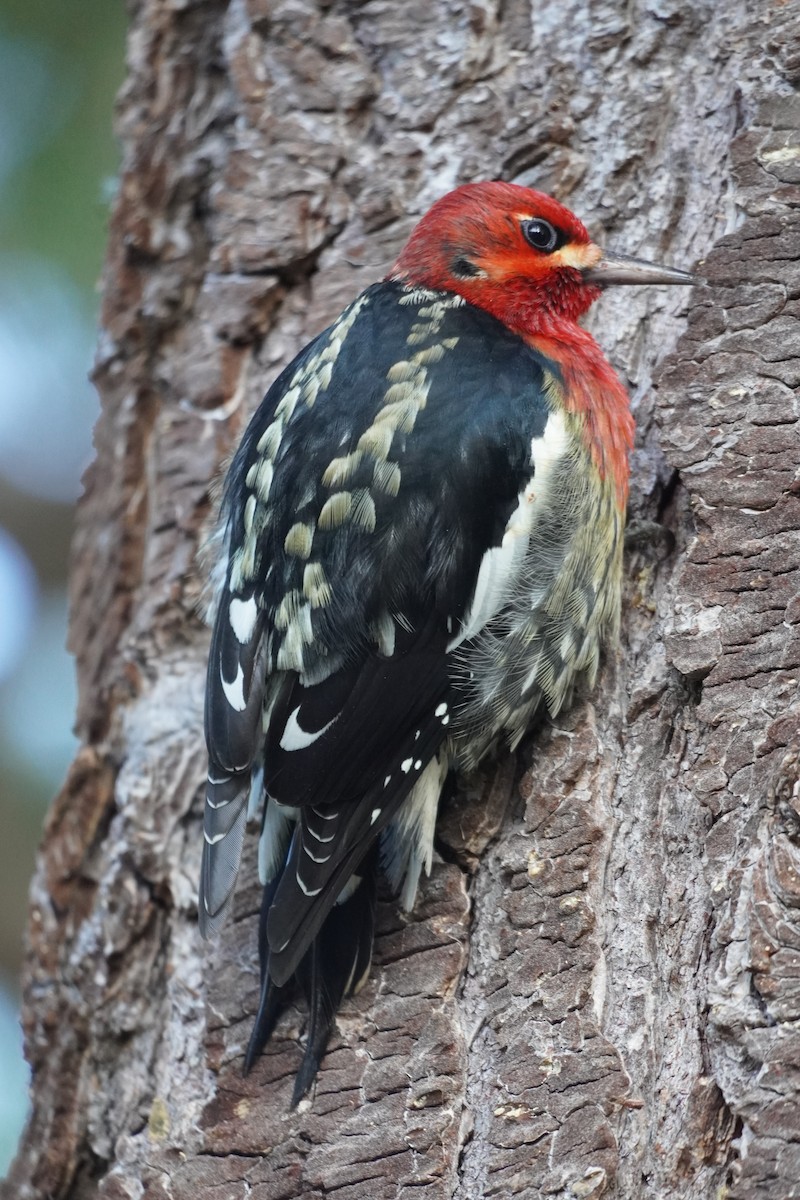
[547, 636]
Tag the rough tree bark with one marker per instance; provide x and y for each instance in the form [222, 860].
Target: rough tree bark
[599, 991]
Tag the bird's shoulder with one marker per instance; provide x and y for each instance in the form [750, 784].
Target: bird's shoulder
[396, 355]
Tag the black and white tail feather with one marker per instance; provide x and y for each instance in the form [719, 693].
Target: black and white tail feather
[373, 535]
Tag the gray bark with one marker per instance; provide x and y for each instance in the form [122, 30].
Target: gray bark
[598, 990]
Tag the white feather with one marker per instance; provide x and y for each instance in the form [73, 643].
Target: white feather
[409, 847]
[243, 615]
[234, 691]
[296, 738]
[500, 566]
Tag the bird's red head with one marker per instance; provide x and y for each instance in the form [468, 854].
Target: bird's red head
[510, 250]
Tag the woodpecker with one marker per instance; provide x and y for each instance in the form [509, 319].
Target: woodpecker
[419, 548]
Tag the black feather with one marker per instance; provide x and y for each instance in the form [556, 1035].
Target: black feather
[353, 682]
[272, 998]
[295, 917]
[335, 966]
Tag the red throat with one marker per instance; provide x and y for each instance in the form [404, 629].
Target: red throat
[594, 394]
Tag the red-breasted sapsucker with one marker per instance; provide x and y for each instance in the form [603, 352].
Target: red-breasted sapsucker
[421, 540]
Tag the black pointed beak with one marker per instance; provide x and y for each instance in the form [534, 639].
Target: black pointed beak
[615, 268]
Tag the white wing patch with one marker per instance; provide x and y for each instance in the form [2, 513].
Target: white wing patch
[234, 691]
[549, 449]
[296, 738]
[500, 565]
[243, 615]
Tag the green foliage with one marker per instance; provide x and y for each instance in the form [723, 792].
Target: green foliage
[55, 204]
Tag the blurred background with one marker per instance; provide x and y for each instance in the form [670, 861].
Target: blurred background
[61, 63]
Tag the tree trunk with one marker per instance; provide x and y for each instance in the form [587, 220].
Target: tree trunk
[599, 990]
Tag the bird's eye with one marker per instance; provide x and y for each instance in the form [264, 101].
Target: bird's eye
[541, 235]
